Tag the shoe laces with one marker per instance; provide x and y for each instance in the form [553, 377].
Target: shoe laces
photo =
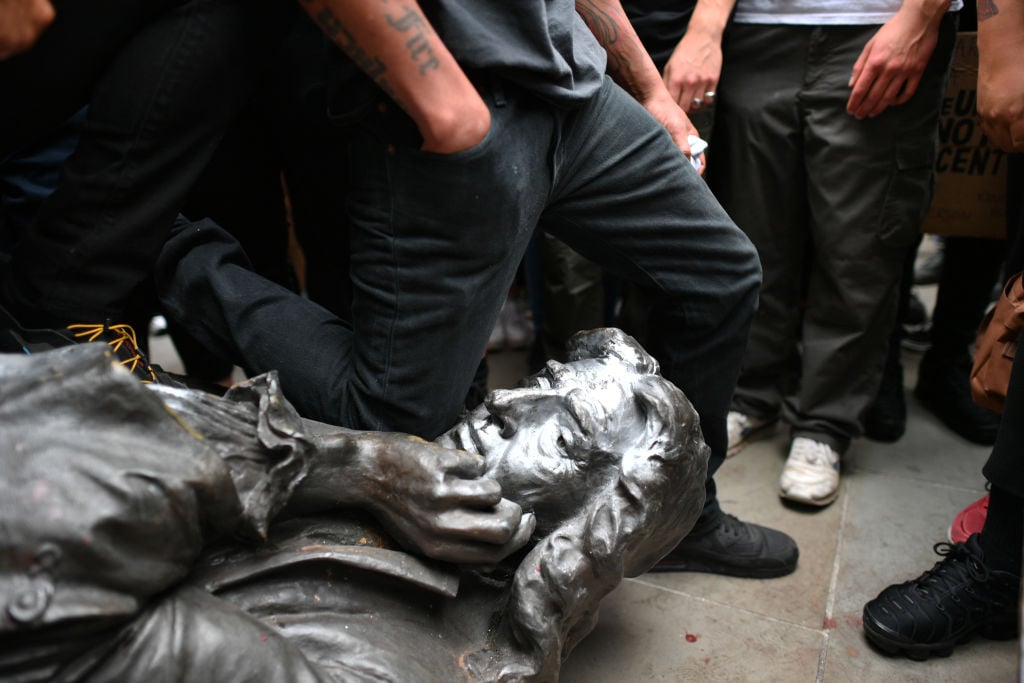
[122, 341]
[813, 452]
[959, 567]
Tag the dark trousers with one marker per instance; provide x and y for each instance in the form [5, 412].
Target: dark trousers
[437, 239]
[162, 78]
[1004, 465]
[833, 204]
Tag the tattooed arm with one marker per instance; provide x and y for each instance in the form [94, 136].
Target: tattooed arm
[394, 44]
[1001, 72]
[632, 68]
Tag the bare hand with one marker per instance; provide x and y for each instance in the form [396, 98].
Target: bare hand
[692, 72]
[1001, 94]
[431, 499]
[890, 66]
[676, 122]
[21, 24]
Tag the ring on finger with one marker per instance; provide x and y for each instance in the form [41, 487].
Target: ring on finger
[709, 95]
[698, 101]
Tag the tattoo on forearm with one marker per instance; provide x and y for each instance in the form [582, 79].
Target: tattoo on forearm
[370, 65]
[418, 43]
[987, 9]
[606, 29]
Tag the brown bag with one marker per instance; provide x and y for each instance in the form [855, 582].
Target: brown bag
[996, 346]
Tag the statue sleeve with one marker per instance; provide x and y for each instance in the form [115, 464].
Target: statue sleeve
[111, 489]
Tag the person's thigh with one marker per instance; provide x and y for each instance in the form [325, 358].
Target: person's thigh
[436, 240]
[46, 85]
[157, 113]
[626, 197]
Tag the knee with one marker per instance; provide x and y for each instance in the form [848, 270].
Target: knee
[747, 272]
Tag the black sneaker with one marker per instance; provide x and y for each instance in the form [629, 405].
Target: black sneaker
[944, 388]
[120, 338]
[733, 548]
[945, 606]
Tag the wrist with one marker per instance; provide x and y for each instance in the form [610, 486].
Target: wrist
[928, 12]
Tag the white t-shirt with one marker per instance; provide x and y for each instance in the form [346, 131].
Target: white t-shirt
[820, 12]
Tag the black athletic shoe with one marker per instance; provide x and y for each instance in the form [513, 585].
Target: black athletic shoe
[120, 338]
[945, 606]
[944, 388]
[733, 548]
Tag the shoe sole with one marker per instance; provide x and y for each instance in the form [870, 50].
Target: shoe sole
[819, 502]
[721, 569]
[920, 652]
[757, 434]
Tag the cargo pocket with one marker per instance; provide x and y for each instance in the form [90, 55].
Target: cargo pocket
[908, 196]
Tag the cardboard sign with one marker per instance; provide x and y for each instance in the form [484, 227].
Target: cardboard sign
[970, 174]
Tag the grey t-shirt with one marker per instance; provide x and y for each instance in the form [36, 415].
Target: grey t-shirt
[542, 45]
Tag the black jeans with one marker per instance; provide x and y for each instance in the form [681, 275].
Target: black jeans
[435, 245]
[162, 78]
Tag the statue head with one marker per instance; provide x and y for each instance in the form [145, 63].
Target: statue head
[605, 423]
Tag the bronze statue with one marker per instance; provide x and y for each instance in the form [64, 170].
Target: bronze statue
[168, 533]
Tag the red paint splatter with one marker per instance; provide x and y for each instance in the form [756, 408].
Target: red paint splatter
[263, 637]
[830, 623]
[692, 637]
[854, 621]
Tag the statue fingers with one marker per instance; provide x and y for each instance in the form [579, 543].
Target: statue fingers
[495, 526]
[477, 552]
[461, 463]
[473, 493]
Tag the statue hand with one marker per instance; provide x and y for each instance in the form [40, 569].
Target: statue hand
[431, 499]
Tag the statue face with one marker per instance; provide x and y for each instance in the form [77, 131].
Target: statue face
[541, 439]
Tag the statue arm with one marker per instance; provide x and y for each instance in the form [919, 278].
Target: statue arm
[632, 68]
[431, 499]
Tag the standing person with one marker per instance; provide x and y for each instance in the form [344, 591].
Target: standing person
[826, 136]
[503, 123]
[976, 586]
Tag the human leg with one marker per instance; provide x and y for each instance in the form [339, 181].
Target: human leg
[970, 268]
[976, 588]
[863, 225]
[758, 176]
[157, 109]
[436, 240]
[668, 235]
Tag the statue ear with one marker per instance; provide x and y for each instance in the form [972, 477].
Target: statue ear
[611, 342]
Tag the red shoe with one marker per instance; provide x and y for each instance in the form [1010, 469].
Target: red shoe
[969, 521]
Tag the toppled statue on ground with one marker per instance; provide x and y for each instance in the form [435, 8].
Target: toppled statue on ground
[162, 533]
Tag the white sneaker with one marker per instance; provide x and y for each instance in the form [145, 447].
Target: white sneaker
[743, 429]
[811, 474]
[518, 328]
[496, 342]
